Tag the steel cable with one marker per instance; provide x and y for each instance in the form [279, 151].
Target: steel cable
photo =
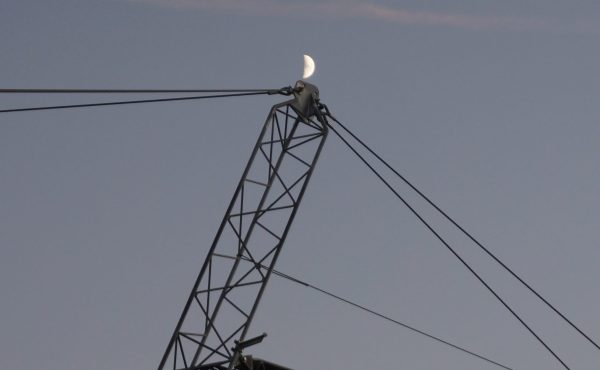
[126, 91]
[372, 312]
[467, 234]
[449, 247]
[28, 109]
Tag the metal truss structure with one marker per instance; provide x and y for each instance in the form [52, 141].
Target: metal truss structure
[212, 330]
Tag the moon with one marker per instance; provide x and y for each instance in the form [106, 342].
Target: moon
[309, 66]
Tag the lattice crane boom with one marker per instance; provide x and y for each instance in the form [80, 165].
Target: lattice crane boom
[212, 329]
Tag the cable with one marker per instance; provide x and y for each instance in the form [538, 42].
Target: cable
[125, 91]
[443, 241]
[392, 320]
[467, 234]
[372, 312]
[132, 102]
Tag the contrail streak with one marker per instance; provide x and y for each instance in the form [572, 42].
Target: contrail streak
[369, 10]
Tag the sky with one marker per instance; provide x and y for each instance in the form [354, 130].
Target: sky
[489, 107]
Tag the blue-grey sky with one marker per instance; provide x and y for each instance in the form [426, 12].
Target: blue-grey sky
[490, 107]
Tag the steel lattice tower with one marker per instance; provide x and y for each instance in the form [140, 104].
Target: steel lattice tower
[213, 327]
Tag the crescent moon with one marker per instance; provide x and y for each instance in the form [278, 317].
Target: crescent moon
[309, 66]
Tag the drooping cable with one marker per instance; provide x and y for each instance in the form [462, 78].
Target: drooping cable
[466, 233]
[28, 109]
[450, 248]
[373, 312]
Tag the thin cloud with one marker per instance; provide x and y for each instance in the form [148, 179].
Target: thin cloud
[352, 9]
